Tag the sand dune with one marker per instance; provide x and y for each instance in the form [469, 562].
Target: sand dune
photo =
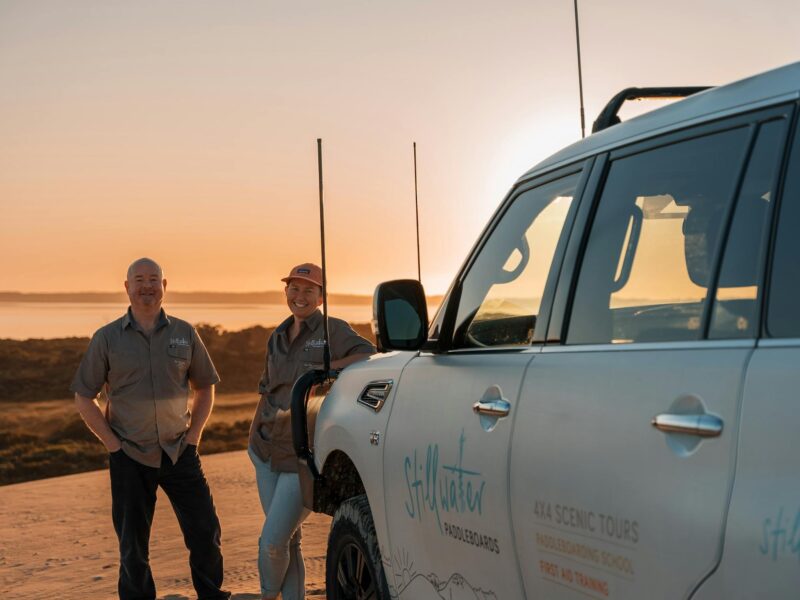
[57, 541]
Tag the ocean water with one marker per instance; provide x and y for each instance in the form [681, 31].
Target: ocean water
[23, 320]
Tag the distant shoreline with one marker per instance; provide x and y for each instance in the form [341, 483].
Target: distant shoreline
[174, 297]
[269, 297]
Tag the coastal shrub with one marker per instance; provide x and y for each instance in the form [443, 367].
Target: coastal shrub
[11, 439]
[74, 449]
[41, 459]
[37, 369]
[71, 428]
[223, 437]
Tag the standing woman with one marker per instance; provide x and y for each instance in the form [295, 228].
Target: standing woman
[294, 347]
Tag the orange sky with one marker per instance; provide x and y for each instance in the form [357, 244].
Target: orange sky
[186, 131]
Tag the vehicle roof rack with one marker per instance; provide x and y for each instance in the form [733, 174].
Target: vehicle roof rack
[608, 116]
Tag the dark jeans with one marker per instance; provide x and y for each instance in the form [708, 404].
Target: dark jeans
[133, 502]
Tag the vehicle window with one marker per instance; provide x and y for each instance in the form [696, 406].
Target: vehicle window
[653, 243]
[783, 318]
[503, 289]
[736, 305]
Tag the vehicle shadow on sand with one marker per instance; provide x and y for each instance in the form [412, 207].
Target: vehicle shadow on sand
[239, 596]
[236, 596]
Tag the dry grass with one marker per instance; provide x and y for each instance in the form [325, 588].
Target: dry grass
[48, 438]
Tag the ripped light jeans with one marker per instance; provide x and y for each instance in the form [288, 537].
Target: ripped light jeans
[280, 561]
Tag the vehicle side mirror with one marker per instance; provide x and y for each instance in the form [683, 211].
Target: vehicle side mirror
[400, 315]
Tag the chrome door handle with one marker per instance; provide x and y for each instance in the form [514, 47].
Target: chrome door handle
[492, 408]
[703, 425]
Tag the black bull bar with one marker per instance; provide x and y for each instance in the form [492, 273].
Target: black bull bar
[304, 403]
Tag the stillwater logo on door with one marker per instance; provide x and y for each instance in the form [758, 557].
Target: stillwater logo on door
[446, 489]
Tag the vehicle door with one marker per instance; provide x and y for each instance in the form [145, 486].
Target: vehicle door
[447, 440]
[654, 323]
[762, 537]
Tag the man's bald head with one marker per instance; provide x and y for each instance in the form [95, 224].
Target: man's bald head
[145, 286]
[149, 262]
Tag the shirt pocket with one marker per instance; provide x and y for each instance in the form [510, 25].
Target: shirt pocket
[285, 372]
[124, 370]
[178, 360]
[312, 358]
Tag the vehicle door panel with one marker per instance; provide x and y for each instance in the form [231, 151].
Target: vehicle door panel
[447, 480]
[603, 503]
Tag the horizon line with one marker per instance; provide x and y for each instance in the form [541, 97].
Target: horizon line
[118, 291]
[7, 294]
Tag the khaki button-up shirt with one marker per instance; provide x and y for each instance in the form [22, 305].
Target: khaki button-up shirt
[147, 380]
[271, 432]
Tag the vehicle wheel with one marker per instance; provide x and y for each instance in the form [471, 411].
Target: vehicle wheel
[354, 570]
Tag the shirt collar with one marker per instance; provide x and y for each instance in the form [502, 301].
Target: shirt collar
[163, 319]
[311, 323]
[129, 321]
[314, 320]
[281, 329]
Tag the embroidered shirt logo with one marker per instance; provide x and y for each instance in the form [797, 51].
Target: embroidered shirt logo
[315, 343]
[178, 341]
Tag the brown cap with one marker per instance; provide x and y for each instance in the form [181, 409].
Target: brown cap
[308, 271]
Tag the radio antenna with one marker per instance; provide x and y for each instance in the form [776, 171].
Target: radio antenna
[580, 73]
[326, 353]
[416, 206]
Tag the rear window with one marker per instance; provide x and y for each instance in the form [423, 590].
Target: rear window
[654, 241]
[782, 313]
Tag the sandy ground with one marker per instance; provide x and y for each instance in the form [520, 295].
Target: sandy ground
[57, 541]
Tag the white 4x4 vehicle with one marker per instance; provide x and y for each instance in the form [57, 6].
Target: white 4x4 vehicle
[607, 404]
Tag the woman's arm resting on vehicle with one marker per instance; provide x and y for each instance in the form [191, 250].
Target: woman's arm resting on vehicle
[341, 363]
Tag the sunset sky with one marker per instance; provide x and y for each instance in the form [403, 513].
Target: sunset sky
[186, 130]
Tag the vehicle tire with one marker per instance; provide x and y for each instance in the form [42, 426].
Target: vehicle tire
[354, 570]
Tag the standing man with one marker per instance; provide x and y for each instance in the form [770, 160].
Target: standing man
[147, 361]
